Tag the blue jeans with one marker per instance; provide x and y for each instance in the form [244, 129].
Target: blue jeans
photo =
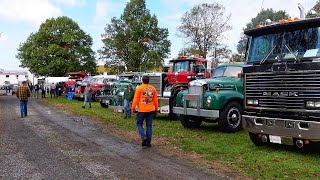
[87, 98]
[24, 107]
[140, 117]
[127, 108]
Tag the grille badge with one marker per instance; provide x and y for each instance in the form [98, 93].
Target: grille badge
[281, 94]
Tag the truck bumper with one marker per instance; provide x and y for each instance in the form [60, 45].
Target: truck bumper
[196, 112]
[117, 108]
[299, 129]
[163, 105]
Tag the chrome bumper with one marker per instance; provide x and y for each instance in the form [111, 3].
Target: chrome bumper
[299, 129]
[196, 112]
[117, 108]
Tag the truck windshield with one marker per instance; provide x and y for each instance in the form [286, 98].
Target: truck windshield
[227, 71]
[181, 66]
[303, 44]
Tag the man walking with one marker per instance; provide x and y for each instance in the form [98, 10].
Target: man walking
[87, 96]
[53, 90]
[128, 97]
[23, 93]
[146, 99]
[36, 90]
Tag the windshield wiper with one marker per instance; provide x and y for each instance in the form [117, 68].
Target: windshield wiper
[265, 58]
[290, 50]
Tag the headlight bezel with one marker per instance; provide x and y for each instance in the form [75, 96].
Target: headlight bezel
[253, 102]
[312, 104]
[209, 100]
[121, 93]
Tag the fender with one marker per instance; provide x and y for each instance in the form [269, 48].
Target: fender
[221, 98]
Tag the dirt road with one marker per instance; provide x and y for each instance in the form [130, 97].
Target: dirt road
[50, 144]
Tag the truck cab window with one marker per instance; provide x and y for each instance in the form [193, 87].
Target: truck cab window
[181, 66]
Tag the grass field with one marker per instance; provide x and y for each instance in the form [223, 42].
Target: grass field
[231, 150]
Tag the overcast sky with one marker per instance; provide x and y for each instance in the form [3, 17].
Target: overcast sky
[19, 18]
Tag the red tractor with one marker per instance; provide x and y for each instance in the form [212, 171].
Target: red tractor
[168, 84]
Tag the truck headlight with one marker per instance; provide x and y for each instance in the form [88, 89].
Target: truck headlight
[121, 93]
[209, 99]
[252, 102]
[313, 104]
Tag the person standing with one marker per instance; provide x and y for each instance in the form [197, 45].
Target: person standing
[23, 93]
[128, 97]
[53, 90]
[146, 99]
[36, 90]
[43, 90]
[87, 96]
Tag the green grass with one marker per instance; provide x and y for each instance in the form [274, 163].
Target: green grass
[234, 150]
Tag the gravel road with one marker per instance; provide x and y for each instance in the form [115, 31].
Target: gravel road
[50, 144]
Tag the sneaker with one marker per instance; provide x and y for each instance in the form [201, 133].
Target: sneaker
[83, 107]
[144, 143]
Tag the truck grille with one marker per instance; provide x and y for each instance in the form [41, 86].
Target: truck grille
[283, 90]
[108, 86]
[195, 90]
[155, 81]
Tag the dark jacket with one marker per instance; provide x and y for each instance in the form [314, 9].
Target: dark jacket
[128, 95]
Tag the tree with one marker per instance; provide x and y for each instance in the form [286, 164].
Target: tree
[204, 25]
[237, 58]
[59, 46]
[135, 39]
[315, 8]
[261, 17]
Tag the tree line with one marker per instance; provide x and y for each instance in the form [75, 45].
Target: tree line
[134, 41]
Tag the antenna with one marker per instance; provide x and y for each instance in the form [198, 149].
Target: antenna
[262, 5]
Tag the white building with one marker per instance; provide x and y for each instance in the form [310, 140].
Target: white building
[15, 76]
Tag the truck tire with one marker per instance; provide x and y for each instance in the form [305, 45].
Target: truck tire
[231, 117]
[190, 121]
[255, 139]
[103, 105]
[172, 103]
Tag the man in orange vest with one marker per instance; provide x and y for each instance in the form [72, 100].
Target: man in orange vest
[146, 99]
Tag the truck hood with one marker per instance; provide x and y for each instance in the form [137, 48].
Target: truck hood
[219, 82]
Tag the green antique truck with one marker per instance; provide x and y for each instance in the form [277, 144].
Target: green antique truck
[113, 92]
[218, 99]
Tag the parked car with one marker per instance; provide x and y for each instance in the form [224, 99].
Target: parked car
[14, 88]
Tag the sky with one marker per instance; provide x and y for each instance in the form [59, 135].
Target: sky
[20, 18]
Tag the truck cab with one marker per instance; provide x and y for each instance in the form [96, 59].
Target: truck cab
[282, 83]
[218, 99]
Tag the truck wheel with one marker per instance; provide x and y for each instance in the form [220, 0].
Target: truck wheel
[231, 117]
[255, 139]
[190, 121]
[173, 103]
[103, 105]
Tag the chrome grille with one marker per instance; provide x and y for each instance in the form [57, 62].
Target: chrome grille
[195, 90]
[283, 90]
[155, 81]
[108, 86]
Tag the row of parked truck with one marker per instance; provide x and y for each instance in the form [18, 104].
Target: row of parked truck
[274, 95]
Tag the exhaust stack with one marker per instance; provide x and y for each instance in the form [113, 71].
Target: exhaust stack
[302, 12]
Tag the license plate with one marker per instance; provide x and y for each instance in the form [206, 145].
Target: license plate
[275, 139]
[106, 102]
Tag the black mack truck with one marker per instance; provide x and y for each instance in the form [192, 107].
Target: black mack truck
[282, 83]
